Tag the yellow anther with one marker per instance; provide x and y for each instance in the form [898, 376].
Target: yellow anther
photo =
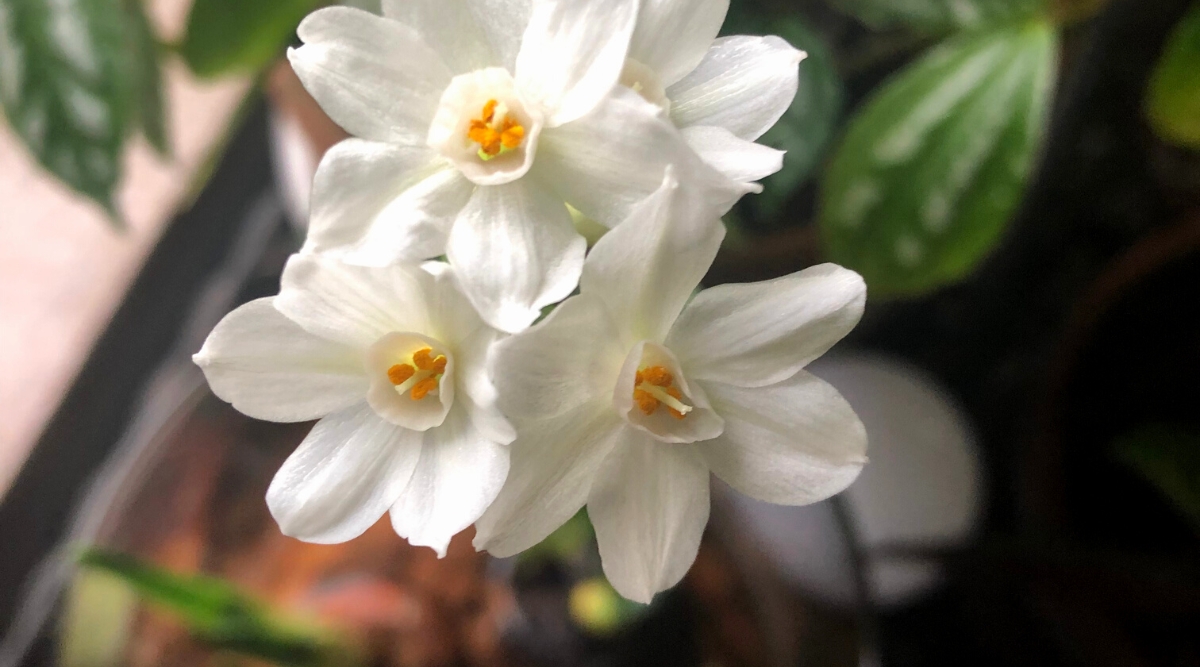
[495, 135]
[425, 361]
[658, 376]
[645, 402]
[421, 389]
[400, 373]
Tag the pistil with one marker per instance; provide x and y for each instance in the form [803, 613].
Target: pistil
[655, 386]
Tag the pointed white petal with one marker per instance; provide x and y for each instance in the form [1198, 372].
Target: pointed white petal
[571, 358]
[672, 36]
[458, 476]
[649, 505]
[515, 251]
[377, 204]
[606, 163]
[744, 85]
[356, 305]
[792, 443]
[477, 394]
[449, 27]
[373, 76]
[647, 267]
[761, 333]
[343, 477]
[553, 464]
[503, 23]
[740, 160]
[572, 54]
[267, 367]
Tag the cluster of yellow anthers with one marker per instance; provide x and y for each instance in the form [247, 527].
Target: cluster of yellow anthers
[495, 133]
[654, 386]
[424, 362]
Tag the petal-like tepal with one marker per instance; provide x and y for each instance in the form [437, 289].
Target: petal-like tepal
[268, 367]
[740, 160]
[672, 36]
[375, 203]
[515, 251]
[450, 27]
[375, 77]
[744, 84]
[572, 54]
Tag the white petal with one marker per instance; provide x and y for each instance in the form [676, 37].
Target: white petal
[503, 22]
[571, 358]
[572, 54]
[649, 505]
[606, 163]
[515, 251]
[448, 27]
[792, 443]
[553, 464]
[356, 305]
[740, 160]
[267, 367]
[672, 36]
[744, 85]
[343, 477]
[647, 267]
[373, 76]
[458, 476]
[477, 395]
[376, 204]
[761, 333]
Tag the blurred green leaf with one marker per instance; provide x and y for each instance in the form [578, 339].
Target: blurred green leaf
[806, 128]
[225, 36]
[1174, 97]
[598, 609]
[934, 166]
[65, 83]
[940, 16]
[216, 613]
[1169, 458]
[149, 109]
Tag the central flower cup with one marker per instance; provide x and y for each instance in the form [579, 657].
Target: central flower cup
[411, 380]
[484, 127]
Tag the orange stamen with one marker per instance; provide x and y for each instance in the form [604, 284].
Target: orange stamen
[421, 389]
[658, 376]
[645, 402]
[400, 373]
[494, 135]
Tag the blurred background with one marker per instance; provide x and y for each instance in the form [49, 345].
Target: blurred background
[1017, 180]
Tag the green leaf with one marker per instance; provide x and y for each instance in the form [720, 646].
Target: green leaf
[934, 166]
[1169, 458]
[216, 613]
[940, 16]
[225, 36]
[65, 86]
[1174, 98]
[149, 108]
[806, 128]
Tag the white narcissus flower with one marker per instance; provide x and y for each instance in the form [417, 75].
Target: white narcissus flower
[624, 399]
[477, 121]
[394, 362]
[723, 94]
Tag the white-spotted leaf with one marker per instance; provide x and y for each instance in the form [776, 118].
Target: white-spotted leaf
[933, 167]
[73, 82]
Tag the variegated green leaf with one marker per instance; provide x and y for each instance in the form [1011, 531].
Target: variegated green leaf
[933, 167]
[938, 16]
[1174, 101]
[66, 86]
[225, 36]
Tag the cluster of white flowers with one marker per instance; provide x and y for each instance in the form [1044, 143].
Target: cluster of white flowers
[439, 234]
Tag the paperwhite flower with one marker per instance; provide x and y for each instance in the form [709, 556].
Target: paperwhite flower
[722, 94]
[478, 120]
[624, 399]
[394, 362]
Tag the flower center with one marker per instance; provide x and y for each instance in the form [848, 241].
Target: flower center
[495, 131]
[653, 387]
[421, 377]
